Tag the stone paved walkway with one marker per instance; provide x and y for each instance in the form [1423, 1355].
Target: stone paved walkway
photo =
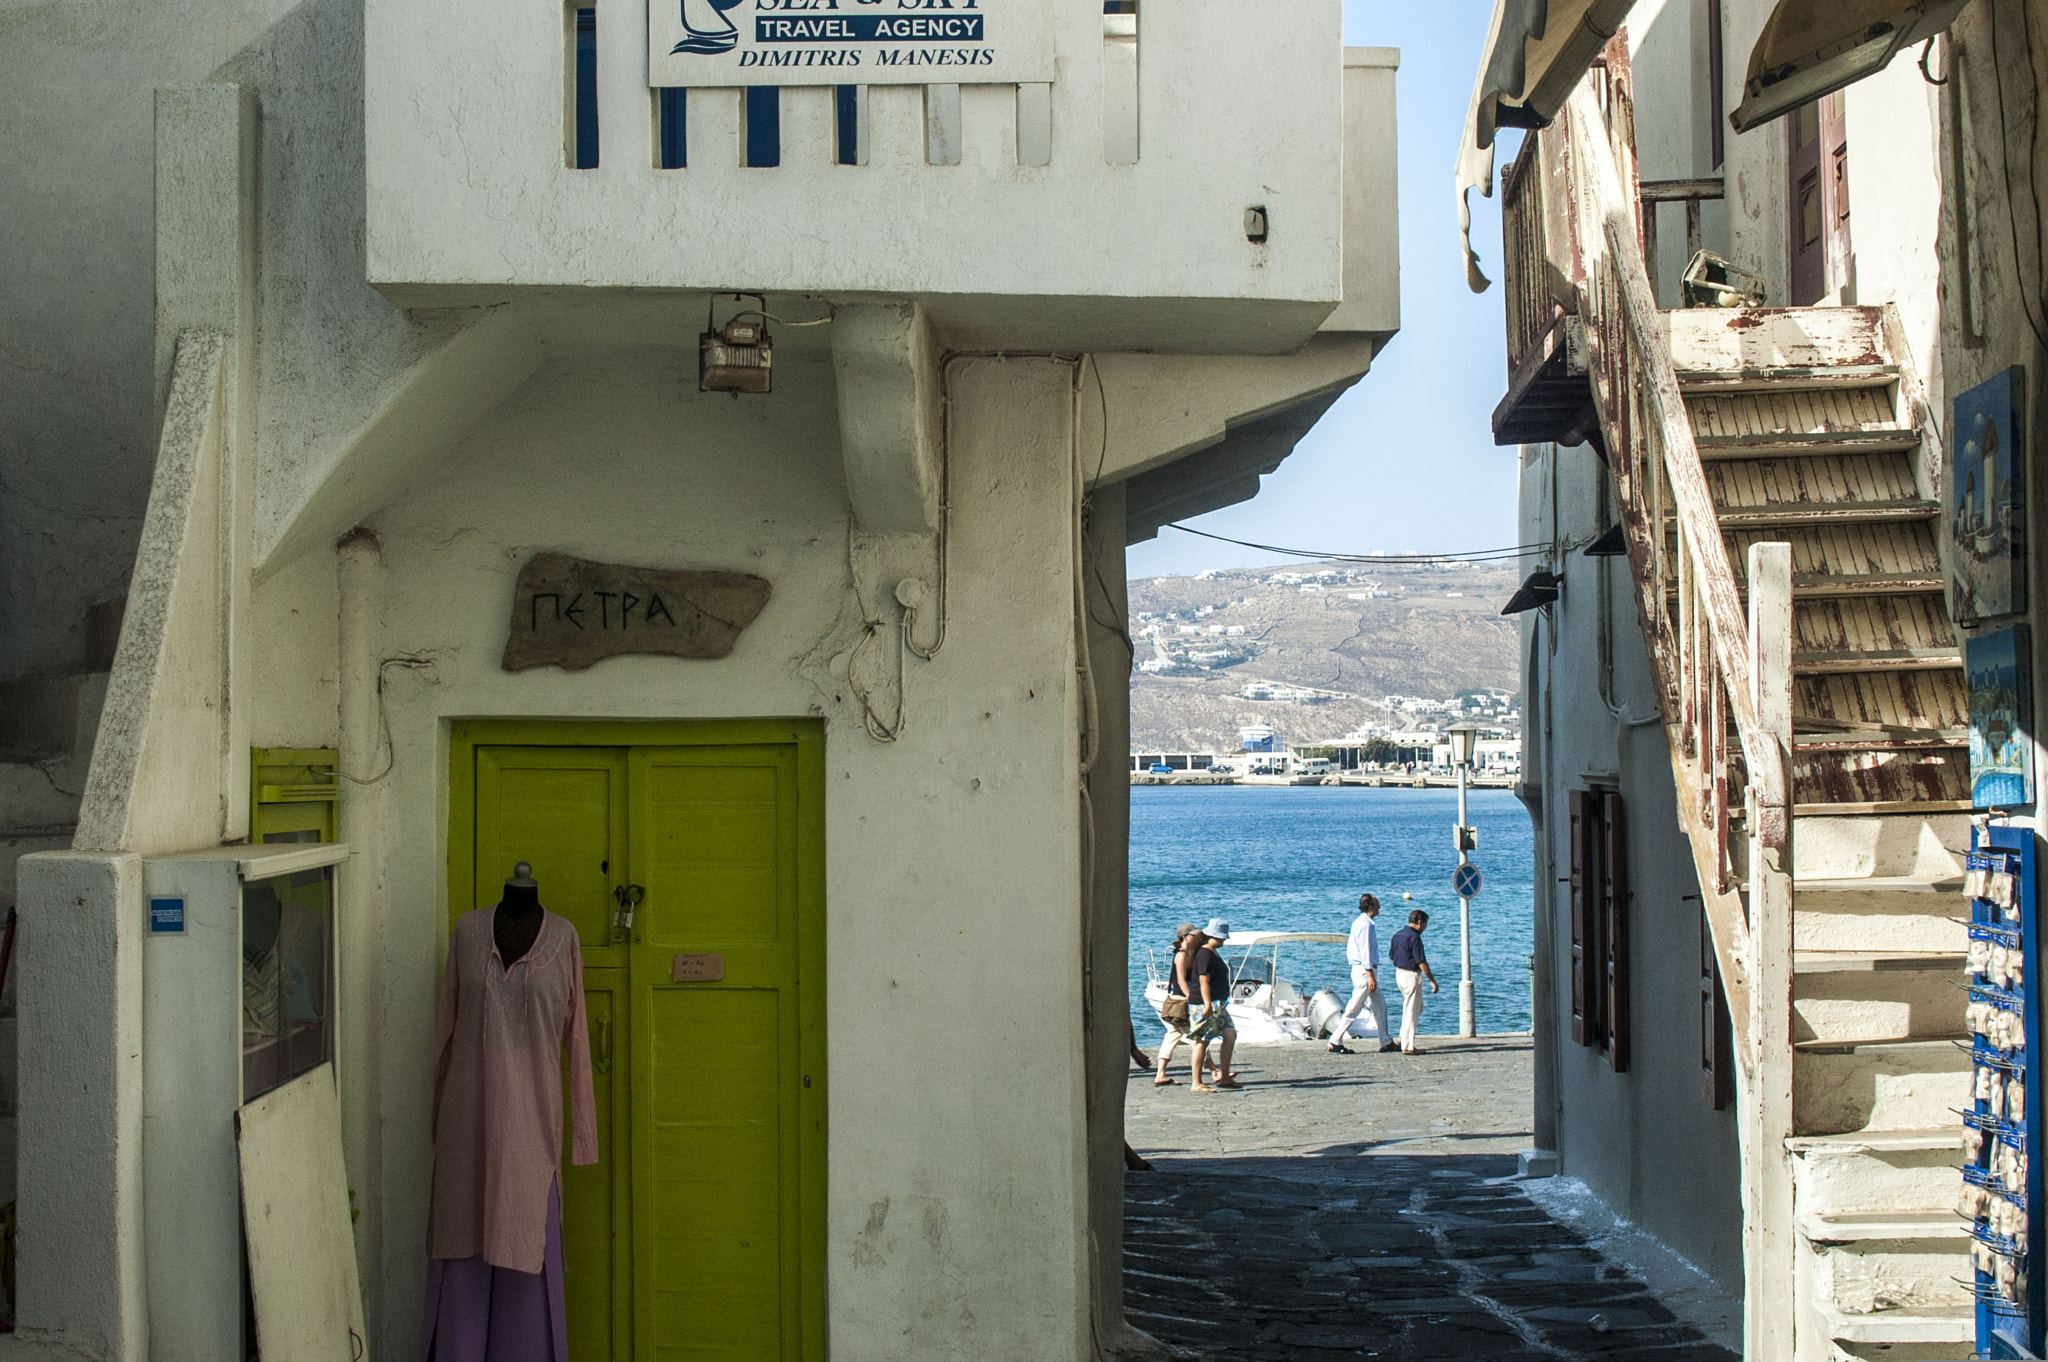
[1363, 1207]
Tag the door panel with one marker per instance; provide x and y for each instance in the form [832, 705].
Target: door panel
[717, 1147]
[714, 1174]
[699, 1234]
[564, 810]
[597, 1198]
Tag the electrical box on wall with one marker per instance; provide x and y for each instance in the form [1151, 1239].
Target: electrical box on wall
[238, 998]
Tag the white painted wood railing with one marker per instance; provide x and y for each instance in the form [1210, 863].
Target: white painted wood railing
[1725, 672]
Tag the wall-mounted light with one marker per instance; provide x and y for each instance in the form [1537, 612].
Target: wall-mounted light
[1613, 543]
[1810, 48]
[1540, 587]
[737, 357]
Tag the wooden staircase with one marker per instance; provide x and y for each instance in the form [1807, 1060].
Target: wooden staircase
[1777, 476]
[1811, 432]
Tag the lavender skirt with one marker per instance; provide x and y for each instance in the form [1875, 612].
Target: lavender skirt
[480, 1313]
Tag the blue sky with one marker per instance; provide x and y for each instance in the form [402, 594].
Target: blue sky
[1405, 460]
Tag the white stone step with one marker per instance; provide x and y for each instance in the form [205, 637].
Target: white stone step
[1877, 995]
[1876, 1172]
[1881, 913]
[1921, 846]
[1842, 1086]
[1947, 1324]
[1854, 1227]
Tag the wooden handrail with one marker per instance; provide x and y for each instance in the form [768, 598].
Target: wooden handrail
[1639, 371]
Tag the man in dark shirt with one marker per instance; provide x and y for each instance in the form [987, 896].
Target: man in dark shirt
[1411, 968]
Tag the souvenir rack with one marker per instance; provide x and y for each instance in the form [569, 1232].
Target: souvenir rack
[2002, 1128]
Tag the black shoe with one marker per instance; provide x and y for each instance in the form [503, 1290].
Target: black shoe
[1340, 1050]
[1389, 1048]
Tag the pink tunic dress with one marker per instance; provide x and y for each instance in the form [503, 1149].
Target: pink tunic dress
[498, 1091]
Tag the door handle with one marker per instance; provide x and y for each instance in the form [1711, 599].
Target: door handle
[627, 897]
[602, 1060]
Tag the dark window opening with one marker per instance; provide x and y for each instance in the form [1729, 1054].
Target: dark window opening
[1717, 1044]
[764, 125]
[585, 103]
[846, 106]
[1599, 925]
[1717, 113]
[673, 144]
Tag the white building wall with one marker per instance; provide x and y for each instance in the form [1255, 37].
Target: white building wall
[1644, 1141]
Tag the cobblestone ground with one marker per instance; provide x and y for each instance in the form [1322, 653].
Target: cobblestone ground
[1363, 1207]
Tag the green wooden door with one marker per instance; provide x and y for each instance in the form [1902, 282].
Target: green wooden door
[564, 810]
[700, 1231]
[719, 1224]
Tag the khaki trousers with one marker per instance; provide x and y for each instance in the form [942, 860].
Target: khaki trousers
[1411, 983]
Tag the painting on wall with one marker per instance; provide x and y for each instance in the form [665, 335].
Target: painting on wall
[2001, 672]
[1987, 500]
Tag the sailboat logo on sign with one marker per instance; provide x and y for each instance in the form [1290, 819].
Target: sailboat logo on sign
[706, 28]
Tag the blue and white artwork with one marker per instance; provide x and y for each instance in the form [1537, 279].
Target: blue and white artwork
[2001, 673]
[1987, 500]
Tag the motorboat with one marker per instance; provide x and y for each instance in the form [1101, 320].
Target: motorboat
[1268, 1007]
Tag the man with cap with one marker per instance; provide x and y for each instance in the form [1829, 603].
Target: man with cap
[1209, 981]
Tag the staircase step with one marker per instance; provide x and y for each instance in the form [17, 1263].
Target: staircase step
[1935, 1324]
[1905, 850]
[1846, 1085]
[1849, 1227]
[1790, 379]
[1910, 1140]
[1832, 513]
[1874, 962]
[1899, 914]
[1863, 584]
[1786, 444]
[1875, 659]
[1879, 807]
[1876, 1172]
[1894, 740]
[1854, 997]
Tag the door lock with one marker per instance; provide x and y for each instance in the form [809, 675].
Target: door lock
[627, 897]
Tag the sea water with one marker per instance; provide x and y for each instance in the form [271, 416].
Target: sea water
[1294, 858]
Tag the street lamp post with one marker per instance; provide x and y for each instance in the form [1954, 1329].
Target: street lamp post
[1464, 742]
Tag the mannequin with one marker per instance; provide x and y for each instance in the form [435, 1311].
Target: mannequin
[515, 922]
[511, 1010]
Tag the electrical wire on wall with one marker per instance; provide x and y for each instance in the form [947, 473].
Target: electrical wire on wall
[415, 661]
[871, 625]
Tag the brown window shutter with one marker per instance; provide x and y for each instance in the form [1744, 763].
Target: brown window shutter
[1582, 921]
[1613, 899]
[1717, 1073]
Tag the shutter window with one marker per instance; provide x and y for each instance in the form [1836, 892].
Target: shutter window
[1583, 995]
[1613, 905]
[1717, 1073]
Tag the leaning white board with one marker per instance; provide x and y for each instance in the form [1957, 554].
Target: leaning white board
[302, 1252]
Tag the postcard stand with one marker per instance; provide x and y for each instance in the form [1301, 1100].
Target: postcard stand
[2002, 1184]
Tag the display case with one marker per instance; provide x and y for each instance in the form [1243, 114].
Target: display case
[2001, 1195]
[238, 997]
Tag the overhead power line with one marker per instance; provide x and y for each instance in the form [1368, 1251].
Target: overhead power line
[1467, 556]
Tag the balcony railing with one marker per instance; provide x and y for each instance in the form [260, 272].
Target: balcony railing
[1155, 165]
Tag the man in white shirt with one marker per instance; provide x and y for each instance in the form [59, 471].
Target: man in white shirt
[1363, 950]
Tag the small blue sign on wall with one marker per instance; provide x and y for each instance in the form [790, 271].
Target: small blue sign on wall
[166, 915]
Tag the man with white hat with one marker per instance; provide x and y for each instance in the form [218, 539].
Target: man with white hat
[1209, 978]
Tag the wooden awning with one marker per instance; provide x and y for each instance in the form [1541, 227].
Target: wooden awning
[1536, 51]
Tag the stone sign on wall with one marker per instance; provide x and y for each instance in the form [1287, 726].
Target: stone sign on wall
[570, 612]
[842, 42]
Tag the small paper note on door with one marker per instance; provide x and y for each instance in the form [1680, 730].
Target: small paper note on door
[698, 969]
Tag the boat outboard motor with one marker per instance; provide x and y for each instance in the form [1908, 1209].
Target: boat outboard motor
[1324, 1011]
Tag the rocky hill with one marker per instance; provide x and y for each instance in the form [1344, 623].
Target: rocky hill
[1313, 649]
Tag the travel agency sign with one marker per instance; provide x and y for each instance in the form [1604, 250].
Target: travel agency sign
[848, 42]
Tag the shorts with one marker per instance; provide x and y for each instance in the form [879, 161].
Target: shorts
[1217, 1022]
